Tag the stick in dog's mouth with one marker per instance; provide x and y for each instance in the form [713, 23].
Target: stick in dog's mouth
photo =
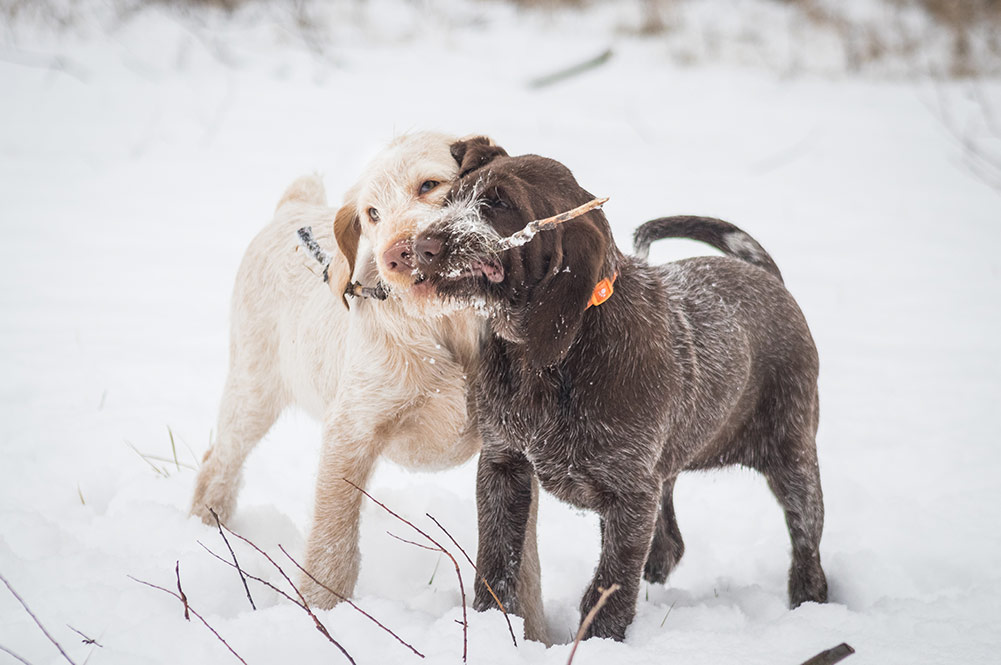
[488, 267]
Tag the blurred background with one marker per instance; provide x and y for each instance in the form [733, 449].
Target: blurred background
[143, 144]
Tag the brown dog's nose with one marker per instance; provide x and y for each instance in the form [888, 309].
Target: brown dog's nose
[427, 249]
[399, 257]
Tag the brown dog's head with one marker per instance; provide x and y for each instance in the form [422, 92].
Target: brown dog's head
[535, 293]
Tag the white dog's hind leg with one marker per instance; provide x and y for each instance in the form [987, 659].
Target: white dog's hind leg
[250, 405]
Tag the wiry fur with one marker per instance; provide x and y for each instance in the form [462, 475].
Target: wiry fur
[385, 378]
[696, 364]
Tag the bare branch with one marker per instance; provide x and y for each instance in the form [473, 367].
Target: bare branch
[586, 623]
[252, 577]
[35, 619]
[233, 554]
[184, 599]
[458, 574]
[188, 608]
[521, 237]
[86, 640]
[476, 570]
[305, 605]
[13, 655]
[351, 603]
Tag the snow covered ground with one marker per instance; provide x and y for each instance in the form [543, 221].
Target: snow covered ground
[138, 156]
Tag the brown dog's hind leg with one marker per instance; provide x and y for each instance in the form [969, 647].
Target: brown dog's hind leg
[797, 488]
[667, 547]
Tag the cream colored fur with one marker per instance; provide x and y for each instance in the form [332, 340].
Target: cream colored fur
[385, 378]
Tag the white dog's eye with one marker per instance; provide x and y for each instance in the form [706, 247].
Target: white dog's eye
[428, 185]
[373, 214]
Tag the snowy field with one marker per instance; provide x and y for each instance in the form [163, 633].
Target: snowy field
[139, 155]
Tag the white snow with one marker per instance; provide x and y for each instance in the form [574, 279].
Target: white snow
[140, 153]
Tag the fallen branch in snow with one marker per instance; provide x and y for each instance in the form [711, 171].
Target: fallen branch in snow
[187, 609]
[252, 577]
[521, 237]
[476, 570]
[831, 656]
[302, 599]
[586, 623]
[569, 72]
[236, 563]
[35, 619]
[437, 547]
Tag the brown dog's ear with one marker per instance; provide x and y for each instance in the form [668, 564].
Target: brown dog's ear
[347, 230]
[470, 154]
[557, 303]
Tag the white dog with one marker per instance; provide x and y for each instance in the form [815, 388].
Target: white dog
[386, 378]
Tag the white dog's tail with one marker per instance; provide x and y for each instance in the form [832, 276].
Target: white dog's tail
[724, 236]
[305, 189]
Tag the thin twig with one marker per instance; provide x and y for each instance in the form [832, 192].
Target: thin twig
[521, 237]
[350, 602]
[184, 599]
[586, 623]
[410, 542]
[197, 615]
[233, 554]
[305, 605]
[13, 655]
[477, 571]
[831, 656]
[458, 573]
[86, 640]
[35, 619]
[252, 577]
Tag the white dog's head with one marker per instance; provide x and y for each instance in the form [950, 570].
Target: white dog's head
[400, 189]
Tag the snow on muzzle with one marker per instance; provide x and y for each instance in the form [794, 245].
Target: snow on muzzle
[459, 244]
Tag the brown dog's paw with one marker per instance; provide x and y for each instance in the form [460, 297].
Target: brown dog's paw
[807, 583]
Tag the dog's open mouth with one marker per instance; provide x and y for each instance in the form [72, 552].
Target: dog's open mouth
[489, 268]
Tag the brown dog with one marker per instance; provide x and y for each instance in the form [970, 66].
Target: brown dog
[697, 364]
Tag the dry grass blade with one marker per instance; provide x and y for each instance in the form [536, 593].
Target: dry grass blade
[351, 603]
[35, 619]
[521, 237]
[189, 608]
[458, 573]
[233, 554]
[586, 623]
[476, 570]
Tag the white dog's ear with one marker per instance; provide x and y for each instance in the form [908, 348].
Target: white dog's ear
[347, 230]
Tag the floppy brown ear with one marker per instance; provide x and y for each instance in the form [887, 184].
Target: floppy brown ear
[470, 154]
[347, 230]
[557, 304]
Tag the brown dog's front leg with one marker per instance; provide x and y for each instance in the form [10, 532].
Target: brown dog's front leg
[503, 501]
[628, 525]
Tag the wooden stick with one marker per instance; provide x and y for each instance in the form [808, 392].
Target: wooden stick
[521, 237]
[586, 623]
[831, 656]
[355, 289]
[307, 240]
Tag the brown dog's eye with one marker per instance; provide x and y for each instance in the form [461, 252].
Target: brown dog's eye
[498, 202]
[427, 186]
[373, 214]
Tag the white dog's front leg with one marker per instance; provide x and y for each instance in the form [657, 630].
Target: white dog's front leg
[332, 556]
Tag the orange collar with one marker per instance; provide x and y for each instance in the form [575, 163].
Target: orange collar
[602, 291]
